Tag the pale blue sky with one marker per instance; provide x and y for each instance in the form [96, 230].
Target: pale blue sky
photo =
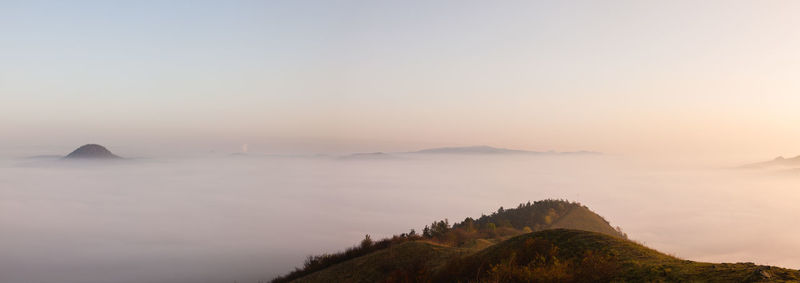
[636, 77]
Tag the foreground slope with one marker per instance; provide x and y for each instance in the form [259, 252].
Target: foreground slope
[408, 262]
[475, 234]
[547, 241]
[563, 255]
[558, 255]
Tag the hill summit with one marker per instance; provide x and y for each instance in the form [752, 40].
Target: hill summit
[92, 151]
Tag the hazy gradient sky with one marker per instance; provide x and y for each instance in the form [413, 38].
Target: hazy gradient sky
[627, 77]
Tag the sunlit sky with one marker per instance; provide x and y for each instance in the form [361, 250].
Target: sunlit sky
[625, 77]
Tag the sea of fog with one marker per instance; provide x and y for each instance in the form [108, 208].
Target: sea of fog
[249, 218]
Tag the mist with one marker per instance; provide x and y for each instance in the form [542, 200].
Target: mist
[246, 218]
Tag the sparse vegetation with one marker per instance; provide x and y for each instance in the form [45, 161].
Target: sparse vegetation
[320, 262]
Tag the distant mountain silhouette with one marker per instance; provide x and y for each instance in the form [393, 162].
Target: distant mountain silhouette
[779, 161]
[368, 155]
[91, 151]
[483, 149]
[479, 149]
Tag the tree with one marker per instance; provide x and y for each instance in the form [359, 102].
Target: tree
[492, 229]
[439, 229]
[468, 224]
[366, 242]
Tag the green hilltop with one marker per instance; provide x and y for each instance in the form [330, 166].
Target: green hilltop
[544, 241]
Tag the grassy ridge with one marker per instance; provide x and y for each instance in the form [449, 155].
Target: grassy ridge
[558, 255]
[581, 218]
[543, 215]
[582, 256]
[406, 262]
[547, 241]
[481, 232]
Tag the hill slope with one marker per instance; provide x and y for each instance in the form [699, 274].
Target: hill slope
[405, 260]
[558, 255]
[524, 244]
[581, 218]
[562, 255]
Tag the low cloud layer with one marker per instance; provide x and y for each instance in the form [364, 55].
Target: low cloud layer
[249, 218]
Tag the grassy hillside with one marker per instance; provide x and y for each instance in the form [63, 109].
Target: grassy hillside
[581, 218]
[502, 247]
[407, 262]
[563, 255]
[558, 255]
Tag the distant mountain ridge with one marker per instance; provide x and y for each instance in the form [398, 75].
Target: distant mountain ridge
[778, 161]
[478, 149]
[367, 156]
[485, 149]
[463, 150]
[454, 150]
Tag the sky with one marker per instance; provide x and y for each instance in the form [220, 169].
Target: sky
[640, 78]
